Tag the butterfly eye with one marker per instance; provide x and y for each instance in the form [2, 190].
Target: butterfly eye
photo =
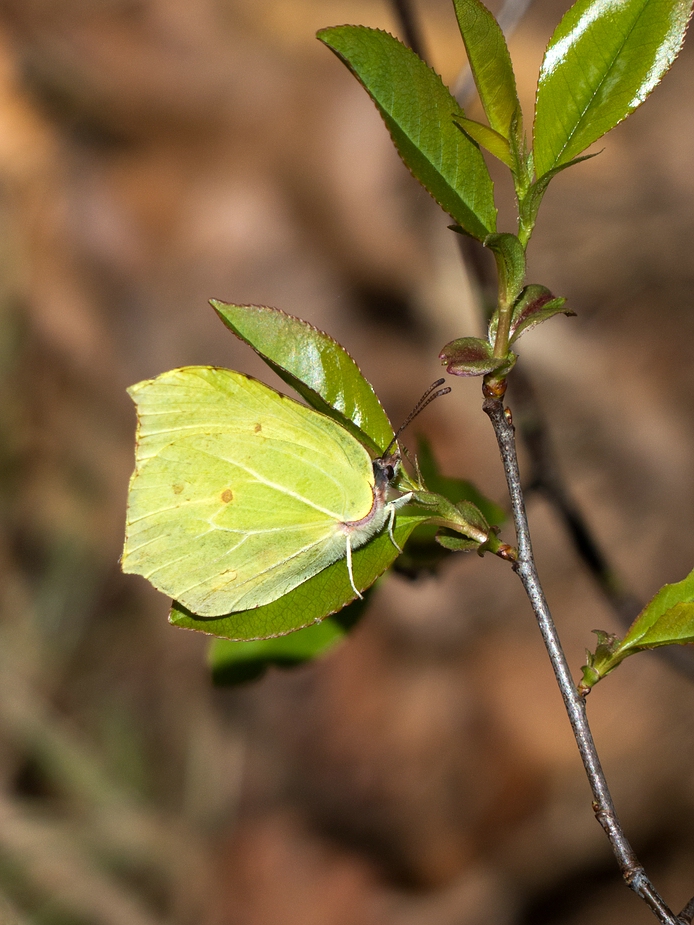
[390, 473]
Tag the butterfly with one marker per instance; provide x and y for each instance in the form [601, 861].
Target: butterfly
[240, 493]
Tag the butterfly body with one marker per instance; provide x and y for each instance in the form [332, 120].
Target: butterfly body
[240, 493]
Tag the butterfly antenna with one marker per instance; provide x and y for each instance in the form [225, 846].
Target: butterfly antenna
[431, 393]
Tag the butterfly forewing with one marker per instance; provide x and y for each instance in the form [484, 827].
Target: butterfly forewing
[239, 492]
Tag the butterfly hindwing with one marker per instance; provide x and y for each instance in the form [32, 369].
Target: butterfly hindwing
[239, 492]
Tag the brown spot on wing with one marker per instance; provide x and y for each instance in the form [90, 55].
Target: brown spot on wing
[257, 428]
[227, 495]
[178, 488]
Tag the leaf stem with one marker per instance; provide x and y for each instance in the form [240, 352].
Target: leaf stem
[603, 807]
[503, 330]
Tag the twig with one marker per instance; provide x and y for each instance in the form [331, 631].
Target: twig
[410, 27]
[687, 914]
[603, 807]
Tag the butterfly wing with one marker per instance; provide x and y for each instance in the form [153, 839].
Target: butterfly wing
[238, 492]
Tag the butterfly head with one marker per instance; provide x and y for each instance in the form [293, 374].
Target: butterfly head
[385, 469]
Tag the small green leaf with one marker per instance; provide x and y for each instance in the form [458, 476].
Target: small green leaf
[455, 490]
[324, 594]
[535, 305]
[675, 626]
[314, 364]
[420, 112]
[424, 550]
[604, 59]
[238, 662]
[473, 516]
[667, 620]
[495, 143]
[455, 543]
[463, 517]
[491, 67]
[600, 662]
[509, 254]
[470, 356]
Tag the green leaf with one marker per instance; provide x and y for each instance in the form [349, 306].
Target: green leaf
[238, 662]
[667, 620]
[603, 60]
[535, 305]
[495, 143]
[509, 254]
[324, 594]
[420, 113]
[491, 67]
[470, 356]
[455, 490]
[314, 364]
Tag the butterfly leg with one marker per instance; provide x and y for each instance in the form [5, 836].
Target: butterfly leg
[349, 570]
[392, 508]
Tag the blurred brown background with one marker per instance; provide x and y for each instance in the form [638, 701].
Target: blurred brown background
[153, 154]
